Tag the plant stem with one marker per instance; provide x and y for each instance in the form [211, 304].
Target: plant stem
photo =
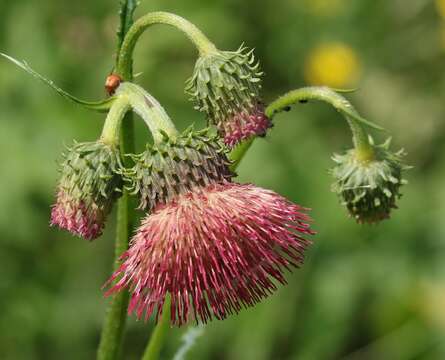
[113, 123]
[113, 328]
[202, 43]
[115, 318]
[238, 152]
[149, 109]
[154, 345]
[356, 123]
[325, 94]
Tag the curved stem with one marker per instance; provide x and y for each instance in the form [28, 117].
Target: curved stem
[322, 93]
[238, 152]
[112, 126]
[149, 109]
[202, 43]
[154, 345]
[365, 150]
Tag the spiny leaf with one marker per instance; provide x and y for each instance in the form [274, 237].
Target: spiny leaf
[362, 120]
[101, 106]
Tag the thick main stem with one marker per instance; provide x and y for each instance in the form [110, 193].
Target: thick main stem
[114, 324]
[202, 43]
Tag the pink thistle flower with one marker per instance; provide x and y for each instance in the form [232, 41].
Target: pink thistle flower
[245, 125]
[215, 249]
[88, 188]
[74, 216]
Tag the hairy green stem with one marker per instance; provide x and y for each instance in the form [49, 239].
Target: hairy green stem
[356, 123]
[322, 93]
[114, 324]
[202, 43]
[113, 122]
[149, 109]
[238, 152]
[157, 337]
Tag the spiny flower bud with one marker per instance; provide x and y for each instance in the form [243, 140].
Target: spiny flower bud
[226, 85]
[213, 246]
[176, 165]
[369, 188]
[88, 188]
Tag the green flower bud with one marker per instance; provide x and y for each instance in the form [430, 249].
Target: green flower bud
[177, 164]
[369, 188]
[88, 188]
[225, 85]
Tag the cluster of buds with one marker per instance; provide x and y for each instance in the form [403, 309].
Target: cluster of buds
[370, 187]
[226, 86]
[214, 246]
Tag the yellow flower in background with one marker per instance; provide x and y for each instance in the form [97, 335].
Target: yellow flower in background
[441, 7]
[324, 7]
[333, 64]
[432, 303]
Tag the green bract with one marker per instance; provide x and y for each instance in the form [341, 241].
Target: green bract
[225, 83]
[369, 188]
[92, 169]
[175, 165]
[89, 186]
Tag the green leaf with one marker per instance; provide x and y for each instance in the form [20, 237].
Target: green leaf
[360, 119]
[101, 106]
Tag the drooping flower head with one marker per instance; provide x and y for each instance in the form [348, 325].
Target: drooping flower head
[213, 245]
[88, 188]
[369, 188]
[226, 86]
[176, 165]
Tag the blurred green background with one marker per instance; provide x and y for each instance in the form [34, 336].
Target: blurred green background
[364, 293]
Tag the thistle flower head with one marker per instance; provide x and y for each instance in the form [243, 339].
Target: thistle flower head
[225, 85]
[176, 165]
[215, 250]
[369, 188]
[88, 188]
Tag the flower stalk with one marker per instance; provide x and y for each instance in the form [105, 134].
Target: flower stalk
[196, 36]
[149, 109]
[323, 93]
[157, 337]
[113, 123]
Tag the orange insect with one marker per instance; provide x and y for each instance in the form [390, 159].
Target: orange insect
[111, 83]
